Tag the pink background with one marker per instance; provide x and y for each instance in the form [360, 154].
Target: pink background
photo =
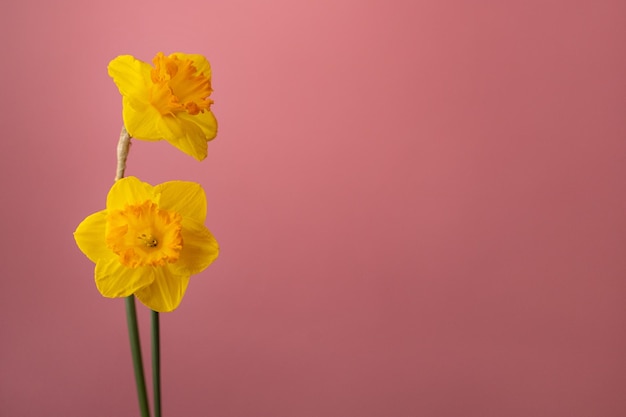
[420, 205]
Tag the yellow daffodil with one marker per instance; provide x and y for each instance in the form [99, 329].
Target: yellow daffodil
[168, 101]
[148, 241]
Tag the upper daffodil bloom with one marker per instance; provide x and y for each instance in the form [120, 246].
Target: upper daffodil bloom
[168, 101]
[148, 241]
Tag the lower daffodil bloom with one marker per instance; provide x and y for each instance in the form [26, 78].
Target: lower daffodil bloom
[148, 241]
[168, 101]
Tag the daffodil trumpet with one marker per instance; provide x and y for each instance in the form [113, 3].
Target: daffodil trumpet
[148, 241]
[169, 100]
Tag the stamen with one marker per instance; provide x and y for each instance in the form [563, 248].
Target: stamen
[148, 240]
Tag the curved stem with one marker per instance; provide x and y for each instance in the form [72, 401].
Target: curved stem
[123, 147]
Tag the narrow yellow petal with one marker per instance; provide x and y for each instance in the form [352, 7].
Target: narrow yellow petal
[206, 121]
[129, 191]
[131, 76]
[184, 197]
[166, 291]
[200, 248]
[184, 135]
[89, 236]
[170, 127]
[115, 280]
[141, 120]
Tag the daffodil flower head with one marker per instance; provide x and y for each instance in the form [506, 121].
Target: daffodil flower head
[169, 100]
[148, 241]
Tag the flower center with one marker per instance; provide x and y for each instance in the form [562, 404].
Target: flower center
[148, 240]
[178, 86]
[144, 235]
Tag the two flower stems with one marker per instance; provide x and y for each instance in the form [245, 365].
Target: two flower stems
[131, 319]
[135, 349]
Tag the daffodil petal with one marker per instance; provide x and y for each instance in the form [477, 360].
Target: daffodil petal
[184, 197]
[166, 291]
[185, 136]
[116, 280]
[140, 120]
[206, 121]
[200, 248]
[170, 127]
[169, 101]
[89, 236]
[131, 76]
[200, 62]
[129, 191]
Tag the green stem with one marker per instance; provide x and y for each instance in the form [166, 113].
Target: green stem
[135, 348]
[156, 363]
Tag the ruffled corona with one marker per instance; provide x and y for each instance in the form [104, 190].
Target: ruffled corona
[144, 235]
[178, 86]
[169, 100]
[148, 241]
